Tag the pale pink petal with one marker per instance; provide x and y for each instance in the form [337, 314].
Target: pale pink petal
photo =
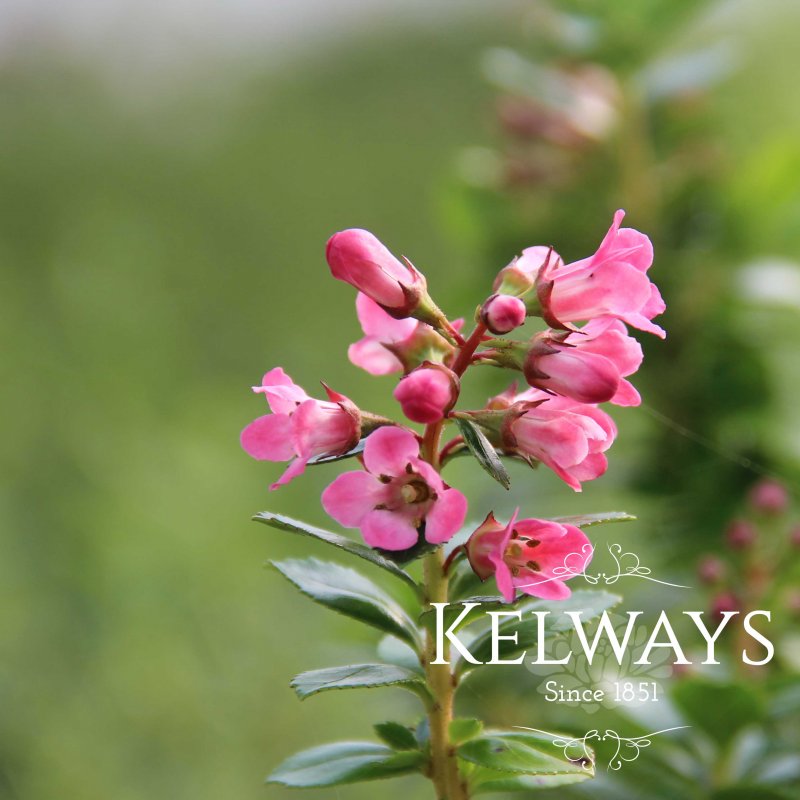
[655, 305]
[432, 477]
[269, 438]
[297, 467]
[642, 323]
[502, 576]
[320, 427]
[369, 354]
[532, 583]
[626, 395]
[583, 376]
[283, 394]
[352, 496]
[388, 530]
[388, 450]
[376, 322]
[593, 466]
[446, 516]
[609, 240]
[635, 247]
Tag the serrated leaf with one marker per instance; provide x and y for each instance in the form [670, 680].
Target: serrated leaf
[394, 651]
[284, 523]
[486, 780]
[587, 520]
[483, 451]
[355, 451]
[462, 730]
[591, 602]
[344, 762]
[357, 676]
[349, 592]
[519, 754]
[397, 736]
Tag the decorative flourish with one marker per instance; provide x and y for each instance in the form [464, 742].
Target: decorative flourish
[627, 748]
[627, 565]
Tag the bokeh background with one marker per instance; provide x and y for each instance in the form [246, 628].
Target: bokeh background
[170, 173]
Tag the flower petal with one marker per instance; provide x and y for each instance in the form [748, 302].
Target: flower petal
[376, 322]
[388, 530]
[351, 497]
[296, 468]
[446, 516]
[369, 354]
[269, 438]
[388, 450]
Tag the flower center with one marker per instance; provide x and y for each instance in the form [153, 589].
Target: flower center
[415, 491]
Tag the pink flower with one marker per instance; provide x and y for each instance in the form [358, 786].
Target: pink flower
[395, 345]
[396, 495]
[357, 257]
[428, 393]
[589, 366]
[569, 437]
[299, 427]
[534, 556]
[611, 283]
[501, 313]
[769, 497]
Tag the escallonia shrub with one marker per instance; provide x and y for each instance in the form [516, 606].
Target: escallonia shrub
[405, 510]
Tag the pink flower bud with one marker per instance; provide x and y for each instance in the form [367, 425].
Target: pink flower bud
[711, 570]
[357, 257]
[501, 313]
[740, 535]
[535, 556]
[769, 497]
[427, 393]
[724, 601]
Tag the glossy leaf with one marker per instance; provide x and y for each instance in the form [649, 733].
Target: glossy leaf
[587, 520]
[344, 762]
[462, 730]
[520, 753]
[283, 523]
[348, 592]
[357, 676]
[591, 602]
[483, 451]
[397, 736]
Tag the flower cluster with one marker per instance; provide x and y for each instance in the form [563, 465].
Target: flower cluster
[398, 498]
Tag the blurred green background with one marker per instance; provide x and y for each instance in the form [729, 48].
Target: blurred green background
[163, 246]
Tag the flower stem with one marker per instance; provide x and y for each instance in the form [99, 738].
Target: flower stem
[441, 681]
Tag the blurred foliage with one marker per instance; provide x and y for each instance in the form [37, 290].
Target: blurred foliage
[160, 252]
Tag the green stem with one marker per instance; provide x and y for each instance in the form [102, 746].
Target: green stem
[441, 681]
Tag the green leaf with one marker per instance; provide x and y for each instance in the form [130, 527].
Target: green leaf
[344, 762]
[358, 676]
[282, 523]
[591, 602]
[745, 792]
[462, 730]
[355, 451]
[520, 753]
[586, 520]
[349, 592]
[734, 705]
[397, 736]
[482, 449]
[486, 780]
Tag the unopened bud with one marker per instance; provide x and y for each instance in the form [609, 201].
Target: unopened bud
[769, 497]
[428, 393]
[711, 570]
[501, 313]
[740, 535]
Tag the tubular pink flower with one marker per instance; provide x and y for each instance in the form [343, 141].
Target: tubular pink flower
[395, 345]
[396, 495]
[568, 437]
[427, 393]
[611, 283]
[589, 365]
[534, 556]
[501, 313]
[359, 258]
[299, 426]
